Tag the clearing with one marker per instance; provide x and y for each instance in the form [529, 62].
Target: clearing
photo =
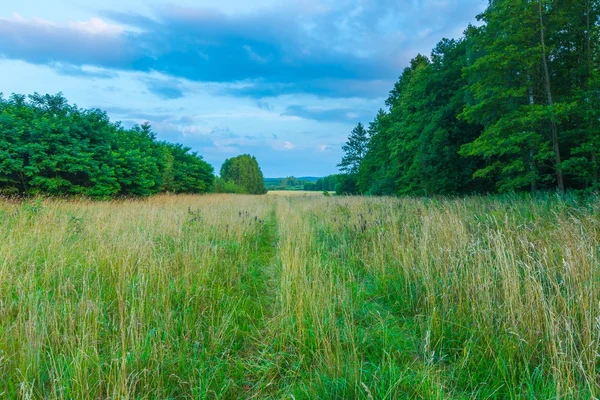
[225, 296]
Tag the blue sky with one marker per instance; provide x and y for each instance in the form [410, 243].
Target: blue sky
[285, 81]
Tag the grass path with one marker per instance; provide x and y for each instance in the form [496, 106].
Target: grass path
[242, 297]
[259, 285]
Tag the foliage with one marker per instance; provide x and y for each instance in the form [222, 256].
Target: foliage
[50, 147]
[354, 150]
[311, 184]
[328, 183]
[513, 105]
[347, 184]
[222, 186]
[245, 172]
[289, 183]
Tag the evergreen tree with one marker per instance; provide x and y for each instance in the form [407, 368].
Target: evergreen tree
[354, 150]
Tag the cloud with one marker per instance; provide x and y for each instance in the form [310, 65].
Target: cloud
[76, 44]
[325, 88]
[263, 105]
[279, 153]
[224, 133]
[165, 89]
[72, 70]
[138, 115]
[96, 26]
[326, 114]
[285, 81]
[330, 49]
[287, 145]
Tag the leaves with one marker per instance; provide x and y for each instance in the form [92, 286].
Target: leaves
[50, 147]
[481, 114]
[355, 150]
[245, 173]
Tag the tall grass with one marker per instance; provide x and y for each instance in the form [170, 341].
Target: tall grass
[229, 296]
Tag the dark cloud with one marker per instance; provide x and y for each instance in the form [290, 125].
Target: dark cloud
[334, 49]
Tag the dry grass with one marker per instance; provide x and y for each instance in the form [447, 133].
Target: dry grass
[229, 296]
[289, 193]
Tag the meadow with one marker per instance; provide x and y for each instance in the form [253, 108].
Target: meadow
[300, 297]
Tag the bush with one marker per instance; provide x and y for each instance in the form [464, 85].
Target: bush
[222, 186]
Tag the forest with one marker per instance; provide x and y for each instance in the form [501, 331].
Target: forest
[513, 105]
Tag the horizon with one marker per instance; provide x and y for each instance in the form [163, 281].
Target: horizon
[285, 83]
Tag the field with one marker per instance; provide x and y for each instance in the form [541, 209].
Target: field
[296, 193]
[300, 297]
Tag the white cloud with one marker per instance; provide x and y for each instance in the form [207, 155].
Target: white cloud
[96, 26]
[283, 145]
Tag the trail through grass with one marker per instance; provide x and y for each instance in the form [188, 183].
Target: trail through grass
[228, 297]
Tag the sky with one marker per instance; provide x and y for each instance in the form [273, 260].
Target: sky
[285, 81]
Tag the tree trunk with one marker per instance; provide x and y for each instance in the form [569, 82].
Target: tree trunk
[588, 10]
[555, 144]
[532, 144]
[588, 38]
[595, 171]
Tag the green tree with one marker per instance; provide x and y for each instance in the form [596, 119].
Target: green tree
[354, 150]
[185, 171]
[223, 186]
[245, 172]
[513, 97]
[513, 105]
[575, 62]
[347, 185]
[50, 147]
[375, 174]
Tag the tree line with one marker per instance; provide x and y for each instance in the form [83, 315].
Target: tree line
[50, 147]
[512, 105]
[327, 183]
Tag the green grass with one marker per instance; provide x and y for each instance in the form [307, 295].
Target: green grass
[300, 297]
